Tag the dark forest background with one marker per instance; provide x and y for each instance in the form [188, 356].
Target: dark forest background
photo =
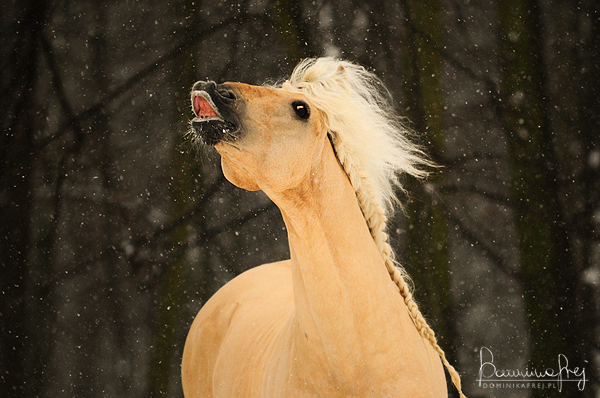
[114, 231]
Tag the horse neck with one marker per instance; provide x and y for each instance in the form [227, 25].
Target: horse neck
[342, 291]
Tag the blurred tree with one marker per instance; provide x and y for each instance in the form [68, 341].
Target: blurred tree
[294, 30]
[426, 225]
[186, 179]
[22, 355]
[584, 223]
[549, 271]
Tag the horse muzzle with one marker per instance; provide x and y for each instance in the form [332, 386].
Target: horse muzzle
[214, 107]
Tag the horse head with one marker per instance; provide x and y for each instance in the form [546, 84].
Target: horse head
[268, 138]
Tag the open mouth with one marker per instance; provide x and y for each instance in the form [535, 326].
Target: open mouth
[209, 125]
[204, 108]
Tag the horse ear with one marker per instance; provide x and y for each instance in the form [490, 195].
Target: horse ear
[341, 70]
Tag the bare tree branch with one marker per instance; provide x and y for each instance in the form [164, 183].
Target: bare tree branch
[475, 189]
[487, 250]
[192, 38]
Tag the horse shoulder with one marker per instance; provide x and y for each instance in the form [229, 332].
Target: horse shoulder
[228, 335]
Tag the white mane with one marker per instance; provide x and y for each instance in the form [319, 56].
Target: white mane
[361, 122]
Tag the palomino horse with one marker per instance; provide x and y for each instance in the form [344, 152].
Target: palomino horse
[326, 147]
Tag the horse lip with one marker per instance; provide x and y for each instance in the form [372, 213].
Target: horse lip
[204, 107]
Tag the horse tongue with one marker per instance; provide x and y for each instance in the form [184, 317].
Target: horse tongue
[203, 108]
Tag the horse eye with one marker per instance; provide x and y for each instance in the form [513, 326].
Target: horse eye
[301, 109]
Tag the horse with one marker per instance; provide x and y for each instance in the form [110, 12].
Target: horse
[338, 318]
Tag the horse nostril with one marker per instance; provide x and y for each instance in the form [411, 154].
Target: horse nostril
[203, 86]
[217, 92]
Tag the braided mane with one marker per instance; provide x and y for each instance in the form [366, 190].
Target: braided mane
[371, 144]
